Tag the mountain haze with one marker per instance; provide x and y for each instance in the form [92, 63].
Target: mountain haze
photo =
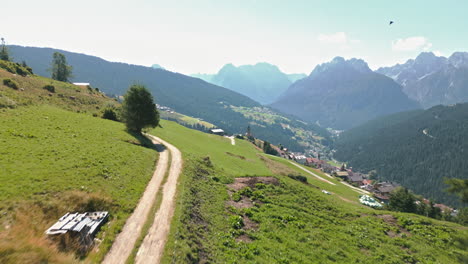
[262, 82]
[342, 94]
[433, 80]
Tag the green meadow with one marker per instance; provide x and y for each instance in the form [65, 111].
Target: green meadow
[292, 222]
[53, 161]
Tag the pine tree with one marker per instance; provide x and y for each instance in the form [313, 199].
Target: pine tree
[4, 55]
[138, 109]
[61, 71]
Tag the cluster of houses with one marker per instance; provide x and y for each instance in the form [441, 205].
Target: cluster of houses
[381, 190]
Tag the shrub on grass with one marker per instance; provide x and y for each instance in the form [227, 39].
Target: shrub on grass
[49, 87]
[236, 221]
[258, 195]
[236, 197]
[246, 191]
[298, 178]
[15, 68]
[10, 83]
[110, 113]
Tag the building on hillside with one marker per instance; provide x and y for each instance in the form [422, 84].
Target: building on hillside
[367, 185]
[342, 174]
[382, 190]
[444, 208]
[217, 131]
[327, 168]
[356, 178]
[81, 84]
[315, 162]
[367, 182]
[300, 159]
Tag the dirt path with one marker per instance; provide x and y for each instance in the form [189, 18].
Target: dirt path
[311, 173]
[233, 142]
[152, 248]
[125, 241]
[361, 191]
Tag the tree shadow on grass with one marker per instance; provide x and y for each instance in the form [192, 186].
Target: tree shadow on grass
[143, 141]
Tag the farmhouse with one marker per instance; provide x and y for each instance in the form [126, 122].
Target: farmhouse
[217, 131]
[356, 178]
[81, 84]
[383, 190]
[342, 174]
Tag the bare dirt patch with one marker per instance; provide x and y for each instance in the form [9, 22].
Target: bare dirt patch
[244, 238]
[240, 183]
[243, 203]
[249, 224]
[391, 220]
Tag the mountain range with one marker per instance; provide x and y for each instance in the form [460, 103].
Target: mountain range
[226, 109]
[417, 149]
[342, 94]
[262, 82]
[431, 79]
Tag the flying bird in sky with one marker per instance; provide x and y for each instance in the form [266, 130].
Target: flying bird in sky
[391, 22]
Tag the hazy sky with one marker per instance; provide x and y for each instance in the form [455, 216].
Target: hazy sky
[203, 35]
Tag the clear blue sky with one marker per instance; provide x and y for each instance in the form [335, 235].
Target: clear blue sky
[203, 35]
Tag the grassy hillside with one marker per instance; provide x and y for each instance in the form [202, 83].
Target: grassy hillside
[54, 161]
[65, 96]
[416, 149]
[282, 220]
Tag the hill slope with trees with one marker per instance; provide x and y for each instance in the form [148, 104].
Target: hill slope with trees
[184, 94]
[417, 149]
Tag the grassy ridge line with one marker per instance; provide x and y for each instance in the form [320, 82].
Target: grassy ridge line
[66, 96]
[48, 153]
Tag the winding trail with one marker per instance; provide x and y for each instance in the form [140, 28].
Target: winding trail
[125, 240]
[152, 248]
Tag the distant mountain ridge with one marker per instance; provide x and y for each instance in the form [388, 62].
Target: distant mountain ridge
[342, 94]
[431, 79]
[416, 149]
[262, 82]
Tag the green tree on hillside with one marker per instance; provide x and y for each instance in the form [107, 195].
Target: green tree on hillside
[268, 149]
[138, 109]
[61, 71]
[401, 199]
[458, 187]
[4, 55]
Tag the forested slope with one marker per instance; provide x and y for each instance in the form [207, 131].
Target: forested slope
[417, 149]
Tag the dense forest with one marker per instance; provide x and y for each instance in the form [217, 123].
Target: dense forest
[184, 94]
[417, 149]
